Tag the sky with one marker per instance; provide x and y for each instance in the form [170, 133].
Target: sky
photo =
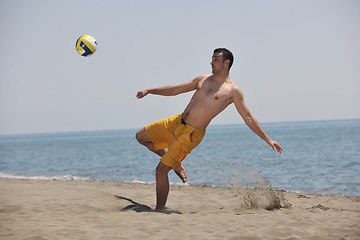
[294, 60]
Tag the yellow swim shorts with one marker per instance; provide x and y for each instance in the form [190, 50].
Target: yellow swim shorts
[175, 135]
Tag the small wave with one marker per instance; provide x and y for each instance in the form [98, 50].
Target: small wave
[171, 183]
[63, 178]
[138, 181]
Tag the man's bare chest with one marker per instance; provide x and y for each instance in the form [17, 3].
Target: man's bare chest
[216, 93]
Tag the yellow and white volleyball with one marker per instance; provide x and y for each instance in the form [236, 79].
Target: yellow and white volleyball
[86, 45]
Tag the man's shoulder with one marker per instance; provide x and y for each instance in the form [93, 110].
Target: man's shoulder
[201, 78]
[232, 85]
[235, 90]
[204, 76]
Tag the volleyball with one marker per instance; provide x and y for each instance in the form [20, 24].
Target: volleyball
[86, 45]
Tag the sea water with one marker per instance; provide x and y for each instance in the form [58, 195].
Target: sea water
[319, 157]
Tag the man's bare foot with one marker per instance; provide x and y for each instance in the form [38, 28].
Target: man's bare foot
[180, 171]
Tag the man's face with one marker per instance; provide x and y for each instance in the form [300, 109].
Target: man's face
[217, 63]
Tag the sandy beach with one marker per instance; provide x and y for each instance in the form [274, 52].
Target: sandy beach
[53, 209]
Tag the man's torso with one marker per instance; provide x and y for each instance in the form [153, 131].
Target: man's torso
[209, 100]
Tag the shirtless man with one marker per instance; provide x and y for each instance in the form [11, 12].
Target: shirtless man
[172, 139]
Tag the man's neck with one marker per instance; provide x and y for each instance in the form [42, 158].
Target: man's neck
[219, 77]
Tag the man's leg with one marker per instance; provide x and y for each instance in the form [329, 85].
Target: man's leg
[144, 139]
[162, 185]
[162, 180]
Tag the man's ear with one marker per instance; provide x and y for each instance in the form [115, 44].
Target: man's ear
[227, 62]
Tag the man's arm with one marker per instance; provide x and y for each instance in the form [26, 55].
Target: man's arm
[250, 120]
[172, 90]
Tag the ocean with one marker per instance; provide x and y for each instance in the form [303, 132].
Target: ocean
[320, 157]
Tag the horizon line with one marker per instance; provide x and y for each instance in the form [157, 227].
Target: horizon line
[131, 128]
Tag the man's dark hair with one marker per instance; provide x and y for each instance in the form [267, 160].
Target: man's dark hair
[227, 55]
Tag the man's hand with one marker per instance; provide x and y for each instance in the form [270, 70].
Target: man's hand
[275, 146]
[142, 94]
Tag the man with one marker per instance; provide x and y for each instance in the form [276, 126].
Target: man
[173, 138]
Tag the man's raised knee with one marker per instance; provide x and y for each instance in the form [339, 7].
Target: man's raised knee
[140, 136]
[137, 136]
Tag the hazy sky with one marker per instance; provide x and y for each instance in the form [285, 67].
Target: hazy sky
[294, 60]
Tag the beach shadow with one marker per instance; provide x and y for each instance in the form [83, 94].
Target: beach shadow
[138, 207]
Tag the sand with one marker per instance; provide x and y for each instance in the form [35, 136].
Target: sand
[53, 209]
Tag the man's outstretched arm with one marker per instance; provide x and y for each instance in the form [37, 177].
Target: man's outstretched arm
[250, 120]
[171, 90]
